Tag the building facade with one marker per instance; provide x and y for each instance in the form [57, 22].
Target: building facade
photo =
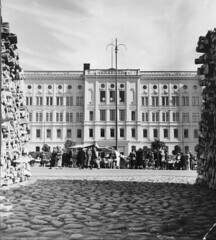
[81, 106]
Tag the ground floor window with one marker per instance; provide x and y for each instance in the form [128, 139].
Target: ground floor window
[58, 133]
[112, 132]
[196, 133]
[79, 133]
[38, 133]
[121, 132]
[48, 131]
[91, 132]
[155, 133]
[186, 133]
[69, 133]
[145, 133]
[133, 132]
[175, 133]
[166, 133]
[102, 132]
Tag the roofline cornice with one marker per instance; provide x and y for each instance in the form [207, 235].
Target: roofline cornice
[141, 74]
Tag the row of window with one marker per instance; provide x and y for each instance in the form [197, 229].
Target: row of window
[112, 86]
[121, 133]
[58, 87]
[166, 101]
[145, 133]
[58, 117]
[39, 101]
[112, 96]
[165, 87]
[145, 116]
[58, 133]
[145, 101]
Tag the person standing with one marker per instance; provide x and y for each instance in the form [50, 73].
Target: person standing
[53, 158]
[110, 161]
[88, 158]
[191, 161]
[74, 158]
[132, 156]
[43, 159]
[69, 157]
[178, 161]
[59, 157]
[156, 159]
[118, 159]
[139, 155]
[64, 158]
[95, 157]
[81, 156]
[114, 158]
[183, 161]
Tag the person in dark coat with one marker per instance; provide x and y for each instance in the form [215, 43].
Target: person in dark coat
[178, 161]
[160, 157]
[53, 158]
[69, 158]
[64, 158]
[139, 158]
[81, 158]
[183, 161]
[156, 159]
[43, 157]
[132, 156]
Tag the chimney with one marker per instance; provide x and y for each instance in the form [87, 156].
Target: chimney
[86, 66]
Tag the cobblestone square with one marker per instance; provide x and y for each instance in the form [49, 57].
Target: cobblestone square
[107, 204]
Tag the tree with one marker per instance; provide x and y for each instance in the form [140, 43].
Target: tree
[177, 149]
[157, 145]
[147, 152]
[46, 148]
[69, 144]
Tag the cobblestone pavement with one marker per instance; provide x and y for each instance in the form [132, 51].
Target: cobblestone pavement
[110, 205]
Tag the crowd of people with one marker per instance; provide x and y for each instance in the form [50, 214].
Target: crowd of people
[149, 159]
[90, 157]
[82, 158]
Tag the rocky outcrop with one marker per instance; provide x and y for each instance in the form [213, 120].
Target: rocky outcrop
[14, 163]
[206, 148]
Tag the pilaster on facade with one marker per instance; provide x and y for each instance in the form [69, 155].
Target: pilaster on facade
[138, 99]
[150, 116]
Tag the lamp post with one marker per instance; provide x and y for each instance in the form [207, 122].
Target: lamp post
[116, 47]
[183, 119]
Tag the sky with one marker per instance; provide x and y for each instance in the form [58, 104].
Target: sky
[62, 35]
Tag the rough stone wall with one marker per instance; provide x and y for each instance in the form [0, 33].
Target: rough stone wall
[14, 163]
[206, 149]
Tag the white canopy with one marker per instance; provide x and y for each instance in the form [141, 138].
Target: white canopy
[84, 146]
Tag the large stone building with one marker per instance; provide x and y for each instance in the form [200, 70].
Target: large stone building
[81, 106]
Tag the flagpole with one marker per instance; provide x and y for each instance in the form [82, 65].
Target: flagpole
[116, 88]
